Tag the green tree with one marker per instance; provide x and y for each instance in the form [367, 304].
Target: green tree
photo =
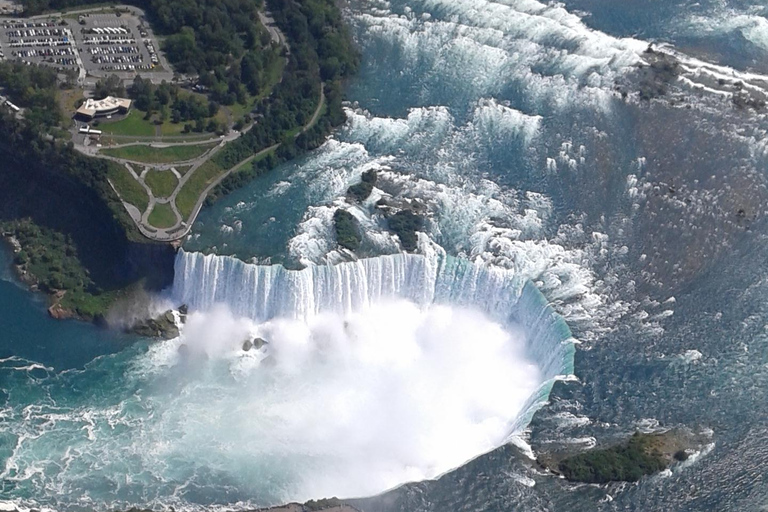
[110, 86]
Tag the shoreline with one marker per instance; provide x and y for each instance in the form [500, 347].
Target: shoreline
[32, 284]
[54, 296]
[22, 276]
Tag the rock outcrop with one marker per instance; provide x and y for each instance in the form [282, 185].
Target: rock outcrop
[163, 327]
[255, 343]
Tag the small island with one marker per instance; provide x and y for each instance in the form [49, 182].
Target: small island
[640, 455]
[347, 230]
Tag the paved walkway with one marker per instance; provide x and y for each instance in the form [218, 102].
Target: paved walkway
[274, 31]
[182, 226]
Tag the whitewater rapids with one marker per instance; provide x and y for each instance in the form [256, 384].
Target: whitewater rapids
[377, 372]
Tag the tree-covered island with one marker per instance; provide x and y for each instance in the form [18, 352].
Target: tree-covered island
[642, 454]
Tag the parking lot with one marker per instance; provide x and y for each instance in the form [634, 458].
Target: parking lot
[43, 42]
[109, 43]
[94, 44]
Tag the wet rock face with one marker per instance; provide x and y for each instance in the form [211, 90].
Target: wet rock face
[163, 327]
[183, 312]
[360, 191]
[255, 343]
[59, 313]
[652, 79]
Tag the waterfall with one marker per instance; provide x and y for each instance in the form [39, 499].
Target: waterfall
[264, 292]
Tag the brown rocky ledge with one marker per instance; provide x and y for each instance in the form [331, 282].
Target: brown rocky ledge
[312, 506]
[56, 310]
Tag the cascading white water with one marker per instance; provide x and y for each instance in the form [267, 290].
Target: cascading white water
[265, 293]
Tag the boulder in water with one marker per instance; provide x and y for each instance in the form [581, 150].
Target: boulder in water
[163, 327]
[255, 343]
[183, 312]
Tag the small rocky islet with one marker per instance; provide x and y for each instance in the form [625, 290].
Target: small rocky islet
[642, 454]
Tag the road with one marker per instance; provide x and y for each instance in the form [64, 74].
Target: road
[274, 31]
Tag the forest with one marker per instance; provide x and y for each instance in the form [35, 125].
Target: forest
[74, 231]
[626, 462]
[34, 88]
[223, 43]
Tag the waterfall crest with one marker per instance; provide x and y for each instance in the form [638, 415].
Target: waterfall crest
[264, 292]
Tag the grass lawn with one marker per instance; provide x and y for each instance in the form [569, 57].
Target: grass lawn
[247, 167]
[182, 169]
[95, 8]
[162, 216]
[176, 129]
[162, 183]
[132, 125]
[236, 110]
[188, 195]
[129, 189]
[158, 155]
[169, 128]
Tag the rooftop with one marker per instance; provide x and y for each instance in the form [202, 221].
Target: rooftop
[93, 107]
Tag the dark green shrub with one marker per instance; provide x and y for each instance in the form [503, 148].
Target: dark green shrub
[626, 462]
[347, 230]
[405, 224]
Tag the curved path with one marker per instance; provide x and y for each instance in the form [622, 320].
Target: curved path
[164, 166]
[181, 228]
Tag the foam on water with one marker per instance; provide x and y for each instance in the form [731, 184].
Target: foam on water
[473, 353]
[478, 95]
[467, 214]
[481, 89]
[752, 26]
[262, 293]
[546, 51]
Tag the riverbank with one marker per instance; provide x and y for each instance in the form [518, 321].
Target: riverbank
[322, 505]
[19, 266]
[48, 261]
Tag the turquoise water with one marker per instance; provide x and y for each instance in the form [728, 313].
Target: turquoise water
[147, 425]
[28, 332]
[642, 224]
[502, 119]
